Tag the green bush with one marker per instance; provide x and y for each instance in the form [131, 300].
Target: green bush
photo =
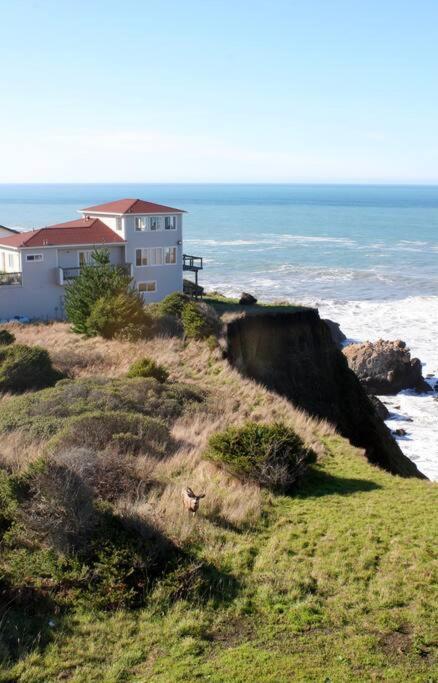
[124, 432]
[26, 367]
[122, 316]
[43, 413]
[269, 454]
[6, 338]
[199, 320]
[146, 367]
[173, 304]
[96, 281]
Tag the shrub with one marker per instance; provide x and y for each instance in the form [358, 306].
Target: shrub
[96, 281]
[146, 367]
[26, 367]
[122, 316]
[173, 304]
[269, 454]
[124, 432]
[43, 414]
[199, 320]
[6, 338]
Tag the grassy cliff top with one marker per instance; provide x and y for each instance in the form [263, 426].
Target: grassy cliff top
[335, 583]
[223, 305]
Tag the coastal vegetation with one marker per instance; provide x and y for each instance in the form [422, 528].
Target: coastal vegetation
[105, 576]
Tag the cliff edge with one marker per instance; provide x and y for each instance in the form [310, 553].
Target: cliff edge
[293, 354]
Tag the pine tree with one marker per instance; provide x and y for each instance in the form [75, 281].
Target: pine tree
[95, 281]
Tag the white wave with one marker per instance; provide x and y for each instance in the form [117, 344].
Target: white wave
[413, 320]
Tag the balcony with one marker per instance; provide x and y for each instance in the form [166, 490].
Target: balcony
[192, 263]
[15, 279]
[66, 275]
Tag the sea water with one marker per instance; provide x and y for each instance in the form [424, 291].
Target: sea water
[366, 255]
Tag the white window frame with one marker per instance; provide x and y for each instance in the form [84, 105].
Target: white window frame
[119, 226]
[150, 253]
[147, 282]
[167, 251]
[173, 222]
[158, 221]
[141, 224]
[88, 259]
[34, 258]
[11, 260]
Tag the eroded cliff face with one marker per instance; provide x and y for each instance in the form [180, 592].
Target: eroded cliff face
[294, 354]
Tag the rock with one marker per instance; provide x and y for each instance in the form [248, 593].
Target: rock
[400, 432]
[247, 299]
[293, 354]
[386, 367]
[381, 410]
[337, 335]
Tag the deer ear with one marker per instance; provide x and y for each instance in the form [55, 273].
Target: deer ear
[189, 492]
[202, 495]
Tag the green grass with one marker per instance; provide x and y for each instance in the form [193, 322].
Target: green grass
[222, 304]
[335, 584]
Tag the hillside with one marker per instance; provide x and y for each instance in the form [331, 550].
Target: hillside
[332, 583]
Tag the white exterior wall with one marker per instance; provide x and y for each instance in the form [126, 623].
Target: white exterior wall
[40, 295]
[169, 277]
[9, 261]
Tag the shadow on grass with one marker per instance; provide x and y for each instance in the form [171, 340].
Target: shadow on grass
[318, 483]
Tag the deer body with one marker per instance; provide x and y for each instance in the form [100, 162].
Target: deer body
[191, 500]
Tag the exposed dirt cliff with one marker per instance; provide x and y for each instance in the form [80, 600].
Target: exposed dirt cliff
[294, 354]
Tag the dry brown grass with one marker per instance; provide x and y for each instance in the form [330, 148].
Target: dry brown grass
[16, 453]
[232, 400]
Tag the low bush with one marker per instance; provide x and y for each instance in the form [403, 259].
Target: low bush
[173, 304]
[121, 431]
[41, 415]
[199, 320]
[26, 367]
[272, 455]
[146, 367]
[122, 316]
[6, 338]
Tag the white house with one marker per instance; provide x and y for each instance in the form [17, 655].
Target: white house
[142, 237]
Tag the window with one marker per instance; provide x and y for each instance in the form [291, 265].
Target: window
[85, 258]
[34, 257]
[149, 257]
[155, 223]
[147, 287]
[118, 223]
[170, 223]
[10, 260]
[170, 255]
[140, 224]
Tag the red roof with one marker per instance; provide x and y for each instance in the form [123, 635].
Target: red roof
[82, 231]
[131, 206]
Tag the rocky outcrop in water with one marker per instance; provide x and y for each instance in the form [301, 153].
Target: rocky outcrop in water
[294, 354]
[386, 367]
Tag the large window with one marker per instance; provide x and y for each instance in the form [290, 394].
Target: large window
[34, 257]
[170, 255]
[147, 287]
[155, 223]
[170, 223]
[140, 223]
[149, 257]
[85, 258]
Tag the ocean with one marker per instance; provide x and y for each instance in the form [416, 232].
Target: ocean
[365, 255]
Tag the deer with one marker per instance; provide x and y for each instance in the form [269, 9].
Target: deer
[191, 500]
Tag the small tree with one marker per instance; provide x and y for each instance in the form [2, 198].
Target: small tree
[95, 281]
[122, 316]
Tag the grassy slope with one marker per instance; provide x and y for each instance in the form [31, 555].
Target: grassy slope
[335, 584]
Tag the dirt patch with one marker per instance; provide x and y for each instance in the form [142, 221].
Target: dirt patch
[397, 643]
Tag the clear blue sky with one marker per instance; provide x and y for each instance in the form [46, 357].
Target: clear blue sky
[208, 90]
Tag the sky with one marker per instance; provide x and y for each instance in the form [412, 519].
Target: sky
[219, 91]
